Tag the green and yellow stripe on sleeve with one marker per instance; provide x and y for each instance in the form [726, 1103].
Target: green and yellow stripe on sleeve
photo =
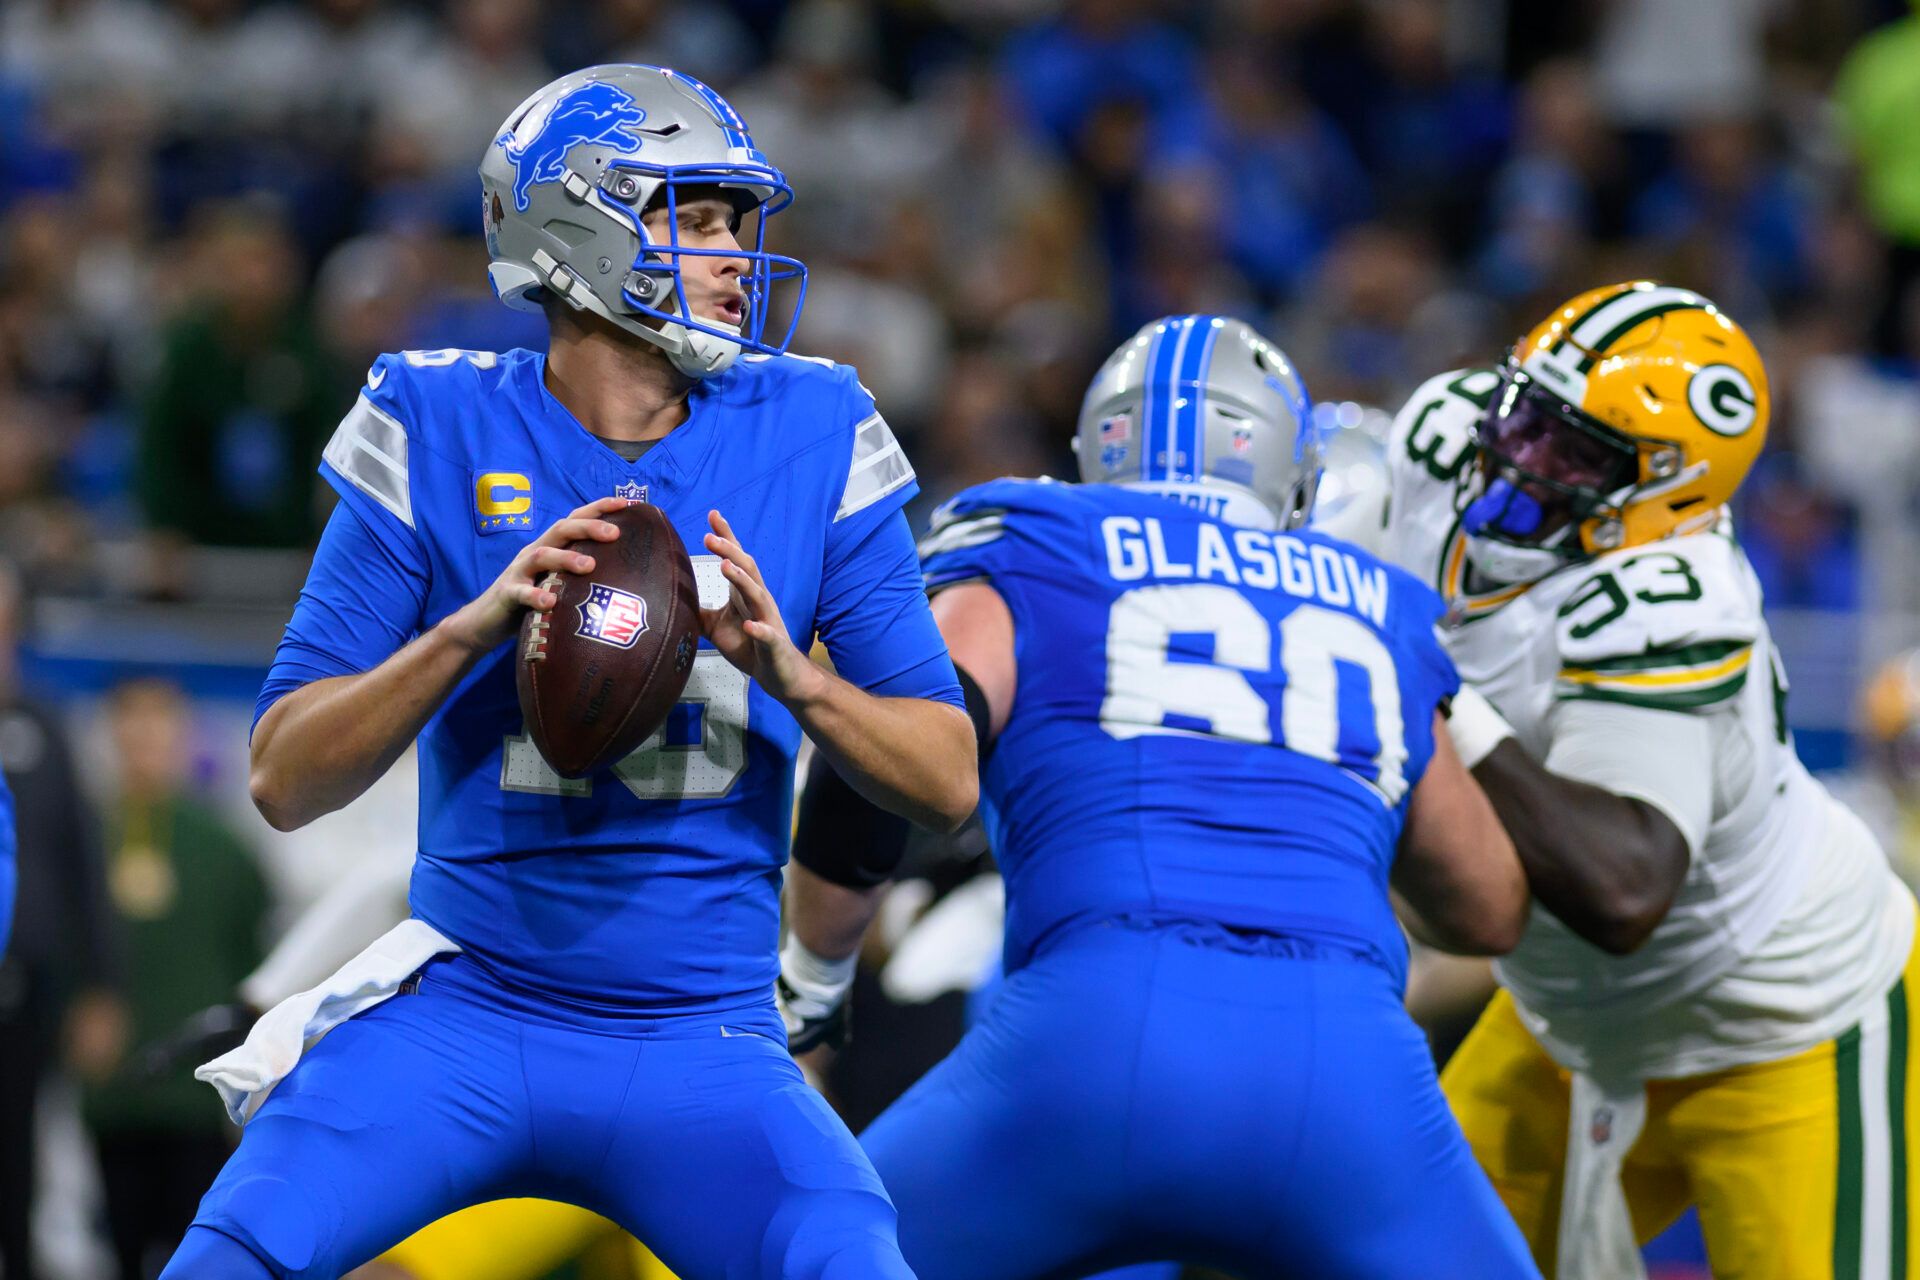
[1678, 678]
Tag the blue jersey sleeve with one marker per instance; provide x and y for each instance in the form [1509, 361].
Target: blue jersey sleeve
[363, 600]
[873, 613]
[876, 623]
[366, 461]
[878, 481]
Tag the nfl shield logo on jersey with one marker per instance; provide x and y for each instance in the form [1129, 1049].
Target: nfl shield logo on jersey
[612, 616]
[630, 491]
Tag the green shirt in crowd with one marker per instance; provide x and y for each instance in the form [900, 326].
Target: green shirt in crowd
[1878, 91]
[191, 906]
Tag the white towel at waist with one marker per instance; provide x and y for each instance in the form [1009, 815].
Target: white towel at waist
[1596, 1230]
[246, 1075]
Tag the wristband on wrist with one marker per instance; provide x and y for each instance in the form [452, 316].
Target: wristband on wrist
[816, 983]
[1475, 727]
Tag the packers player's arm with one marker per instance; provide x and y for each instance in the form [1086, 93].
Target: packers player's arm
[322, 744]
[1606, 826]
[1457, 881]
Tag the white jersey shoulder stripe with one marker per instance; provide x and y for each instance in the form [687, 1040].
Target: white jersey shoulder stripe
[879, 467]
[369, 450]
[975, 530]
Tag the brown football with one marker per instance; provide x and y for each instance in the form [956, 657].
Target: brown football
[601, 670]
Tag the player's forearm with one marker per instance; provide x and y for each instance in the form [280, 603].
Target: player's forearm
[321, 746]
[830, 920]
[911, 756]
[1456, 872]
[1607, 866]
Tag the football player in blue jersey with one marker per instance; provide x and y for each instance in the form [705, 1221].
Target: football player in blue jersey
[582, 1007]
[1214, 742]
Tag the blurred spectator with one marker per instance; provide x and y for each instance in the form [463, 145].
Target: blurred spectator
[705, 40]
[1561, 189]
[1098, 54]
[46, 345]
[1290, 179]
[318, 68]
[1884, 788]
[1349, 333]
[892, 333]
[1180, 263]
[59, 967]
[1878, 93]
[190, 902]
[984, 430]
[1734, 219]
[243, 399]
[840, 138]
[97, 65]
[1432, 131]
[433, 122]
[1799, 539]
[1001, 222]
[1663, 66]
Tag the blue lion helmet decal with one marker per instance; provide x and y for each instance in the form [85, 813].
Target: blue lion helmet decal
[597, 113]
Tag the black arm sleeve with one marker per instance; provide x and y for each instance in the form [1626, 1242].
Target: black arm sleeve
[845, 838]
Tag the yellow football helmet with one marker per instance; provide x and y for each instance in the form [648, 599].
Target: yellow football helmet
[1890, 714]
[1630, 414]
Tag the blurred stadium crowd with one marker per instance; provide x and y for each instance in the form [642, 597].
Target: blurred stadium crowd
[214, 213]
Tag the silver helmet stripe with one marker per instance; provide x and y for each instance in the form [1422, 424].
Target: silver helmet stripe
[1200, 400]
[1196, 408]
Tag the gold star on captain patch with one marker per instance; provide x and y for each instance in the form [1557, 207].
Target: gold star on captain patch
[526, 519]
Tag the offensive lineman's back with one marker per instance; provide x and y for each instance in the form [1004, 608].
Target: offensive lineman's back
[1213, 721]
[1212, 741]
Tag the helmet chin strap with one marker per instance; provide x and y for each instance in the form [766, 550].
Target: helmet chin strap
[1508, 564]
[694, 354]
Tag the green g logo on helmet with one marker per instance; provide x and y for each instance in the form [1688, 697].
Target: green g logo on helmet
[1723, 399]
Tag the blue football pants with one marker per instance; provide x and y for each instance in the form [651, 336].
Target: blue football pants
[695, 1133]
[1142, 1093]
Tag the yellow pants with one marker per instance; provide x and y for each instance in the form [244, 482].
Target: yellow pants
[522, 1240]
[1799, 1166]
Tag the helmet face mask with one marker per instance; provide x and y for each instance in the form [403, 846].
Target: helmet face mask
[571, 183]
[1547, 469]
[654, 285]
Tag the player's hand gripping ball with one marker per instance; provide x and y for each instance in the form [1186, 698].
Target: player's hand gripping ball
[599, 672]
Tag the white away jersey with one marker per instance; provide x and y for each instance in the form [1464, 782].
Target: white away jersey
[1790, 920]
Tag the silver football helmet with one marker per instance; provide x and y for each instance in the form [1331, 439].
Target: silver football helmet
[568, 176]
[1351, 500]
[1202, 400]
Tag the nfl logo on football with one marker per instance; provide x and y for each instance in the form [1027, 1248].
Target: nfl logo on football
[612, 616]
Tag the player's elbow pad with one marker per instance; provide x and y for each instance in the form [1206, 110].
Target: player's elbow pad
[845, 838]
